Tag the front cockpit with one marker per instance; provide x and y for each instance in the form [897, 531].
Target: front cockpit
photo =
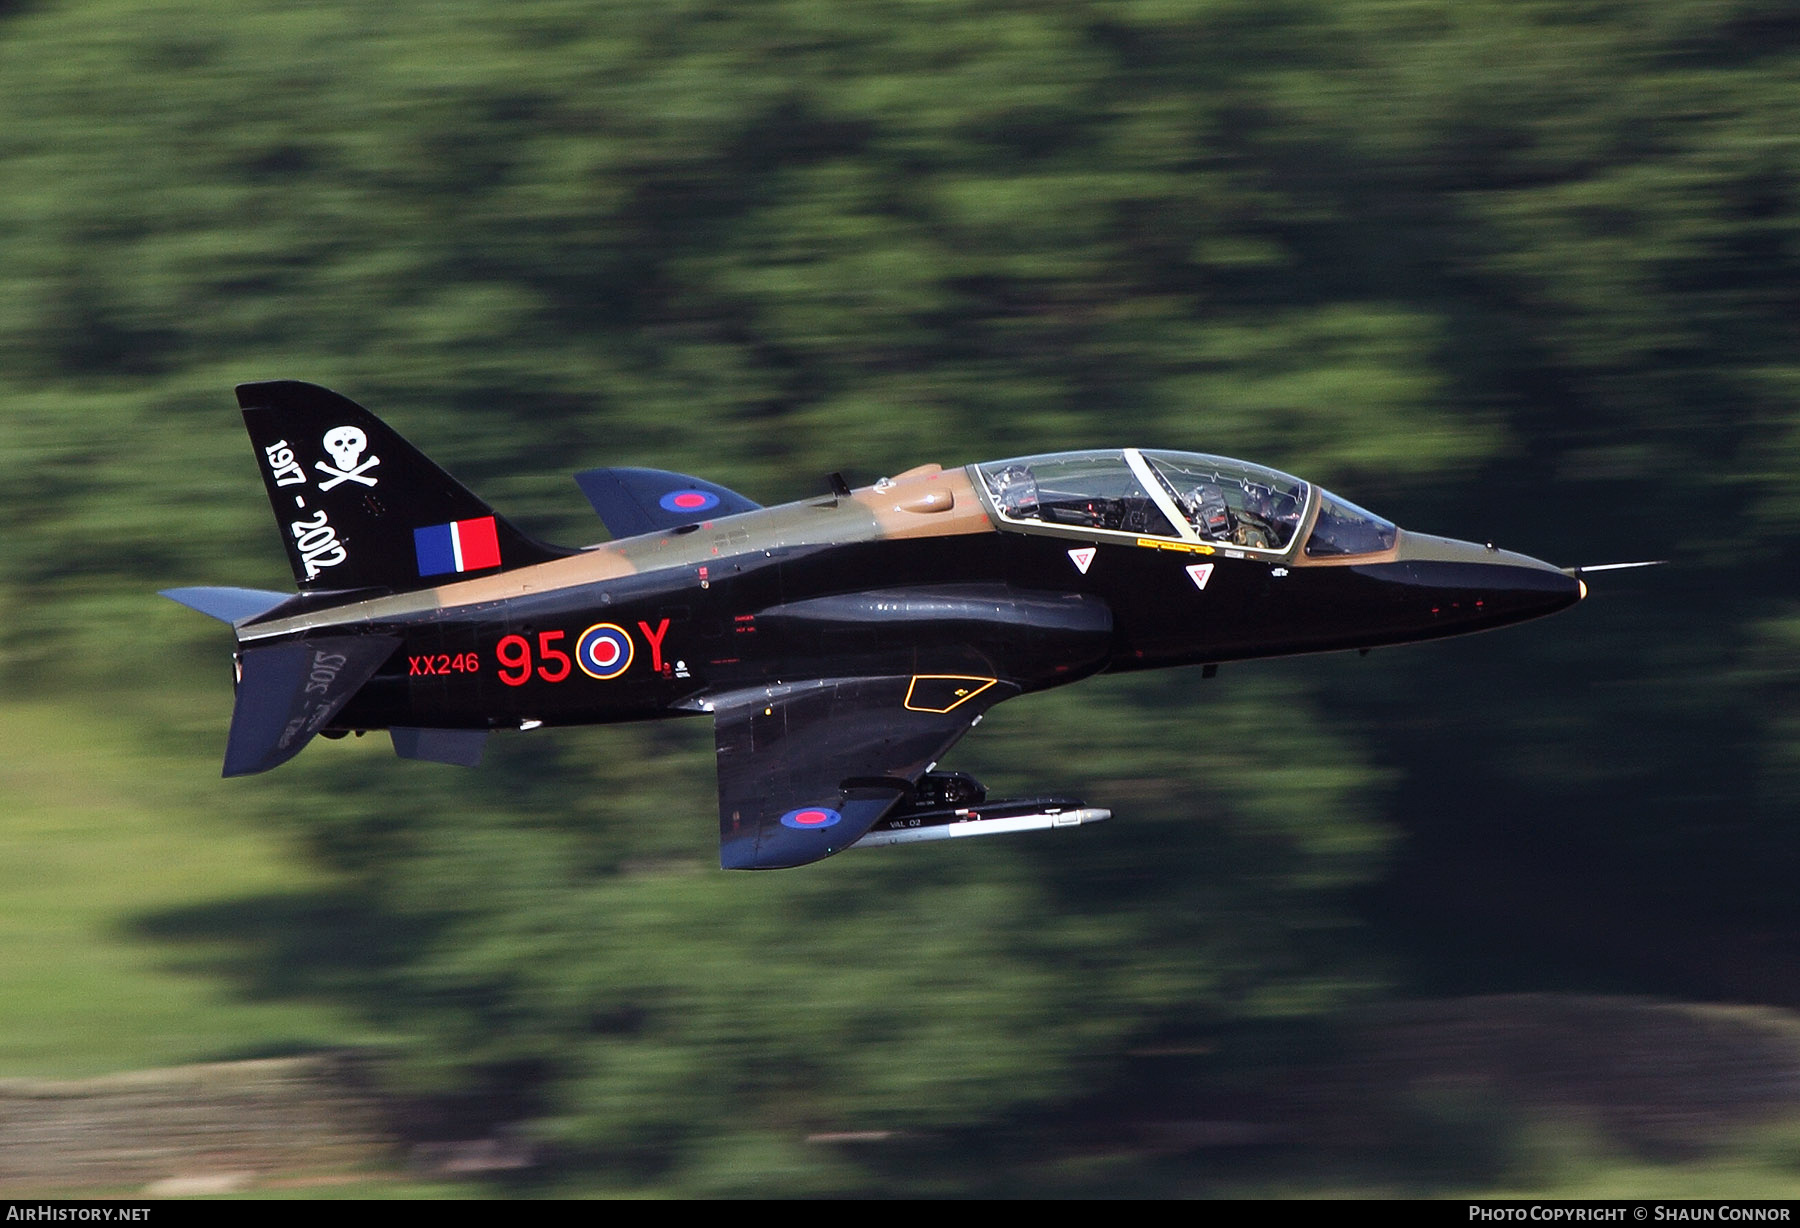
[1228, 505]
[1229, 502]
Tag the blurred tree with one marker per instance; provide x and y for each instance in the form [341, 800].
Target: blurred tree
[1501, 269]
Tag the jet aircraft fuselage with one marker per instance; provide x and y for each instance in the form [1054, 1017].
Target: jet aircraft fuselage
[841, 643]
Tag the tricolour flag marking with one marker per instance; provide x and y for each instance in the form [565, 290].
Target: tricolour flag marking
[461, 545]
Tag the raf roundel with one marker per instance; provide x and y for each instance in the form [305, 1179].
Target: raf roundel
[604, 651]
[810, 818]
[688, 501]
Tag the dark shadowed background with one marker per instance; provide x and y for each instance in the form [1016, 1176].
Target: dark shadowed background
[1512, 271]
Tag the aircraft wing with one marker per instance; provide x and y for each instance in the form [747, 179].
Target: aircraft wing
[805, 770]
[634, 501]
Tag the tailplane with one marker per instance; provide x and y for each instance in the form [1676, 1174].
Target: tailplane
[359, 507]
[287, 692]
[228, 605]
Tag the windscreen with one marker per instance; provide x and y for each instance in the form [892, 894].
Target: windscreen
[1344, 528]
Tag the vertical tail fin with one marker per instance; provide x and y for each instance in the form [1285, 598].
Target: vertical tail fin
[359, 507]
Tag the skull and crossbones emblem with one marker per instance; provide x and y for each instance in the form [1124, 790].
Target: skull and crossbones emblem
[346, 444]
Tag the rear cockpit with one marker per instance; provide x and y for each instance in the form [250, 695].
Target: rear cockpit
[1231, 506]
[1112, 491]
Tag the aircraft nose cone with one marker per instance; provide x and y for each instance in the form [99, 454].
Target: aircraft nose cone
[1466, 586]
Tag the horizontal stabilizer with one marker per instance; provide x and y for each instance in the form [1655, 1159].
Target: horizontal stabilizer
[228, 605]
[461, 747]
[287, 692]
[634, 501]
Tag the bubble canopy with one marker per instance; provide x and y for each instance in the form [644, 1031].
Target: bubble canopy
[1183, 496]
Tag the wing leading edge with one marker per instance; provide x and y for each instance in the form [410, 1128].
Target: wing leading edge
[806, 770]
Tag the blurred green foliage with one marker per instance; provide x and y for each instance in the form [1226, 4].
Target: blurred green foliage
[1522, 271]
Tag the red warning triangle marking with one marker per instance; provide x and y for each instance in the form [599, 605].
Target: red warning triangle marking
[1200, 573]
[1082, 558]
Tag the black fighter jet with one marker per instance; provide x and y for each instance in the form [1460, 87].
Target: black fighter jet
[841, 644]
